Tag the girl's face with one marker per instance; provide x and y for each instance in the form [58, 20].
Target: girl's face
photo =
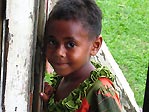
[68, 46]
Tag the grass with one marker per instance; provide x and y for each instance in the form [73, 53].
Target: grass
[126, 33]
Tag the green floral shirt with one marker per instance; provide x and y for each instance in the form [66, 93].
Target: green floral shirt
[88, 90]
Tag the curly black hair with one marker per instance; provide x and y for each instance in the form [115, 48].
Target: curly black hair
[85, 11]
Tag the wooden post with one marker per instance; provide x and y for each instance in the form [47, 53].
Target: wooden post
[45, 8]
[23, 78]
[0, 25]
[0, 54]
[3, 52]
[0, 43]
[39, 59]
[23, 20]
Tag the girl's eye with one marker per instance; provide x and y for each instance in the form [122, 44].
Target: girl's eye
[52, 42]
[70, 44]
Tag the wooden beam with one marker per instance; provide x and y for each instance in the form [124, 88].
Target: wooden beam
[22, 39]
[0, 37]
[3, 51]
[39, 59]
[0, 24]
[44, 10]
[0, 54]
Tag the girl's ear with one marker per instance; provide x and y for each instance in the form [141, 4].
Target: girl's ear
[96, 45]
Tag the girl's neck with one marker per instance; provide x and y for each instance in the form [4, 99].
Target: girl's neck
[73, 80]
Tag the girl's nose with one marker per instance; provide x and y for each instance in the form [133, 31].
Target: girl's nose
[61, 51]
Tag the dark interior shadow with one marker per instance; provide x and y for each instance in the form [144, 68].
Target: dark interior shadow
[146, 95]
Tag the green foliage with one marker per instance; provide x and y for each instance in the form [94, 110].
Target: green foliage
[126, 33]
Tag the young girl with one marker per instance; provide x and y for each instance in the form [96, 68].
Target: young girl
[72, 36]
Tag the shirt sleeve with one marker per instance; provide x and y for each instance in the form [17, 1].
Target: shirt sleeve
[107, 97]
[101, 97]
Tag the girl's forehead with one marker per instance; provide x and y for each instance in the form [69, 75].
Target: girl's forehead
[71, 27]
[64, 22]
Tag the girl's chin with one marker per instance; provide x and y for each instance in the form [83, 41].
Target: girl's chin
[62, 73]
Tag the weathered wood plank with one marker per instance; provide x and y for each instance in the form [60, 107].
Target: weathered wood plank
[0, 51]
[20, 54]
[0, 54]
[39, 59]
[3, 52]
[45, 8]
[0, 25]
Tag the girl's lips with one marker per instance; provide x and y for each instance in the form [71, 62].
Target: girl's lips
[60, 63]
[60, 66]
